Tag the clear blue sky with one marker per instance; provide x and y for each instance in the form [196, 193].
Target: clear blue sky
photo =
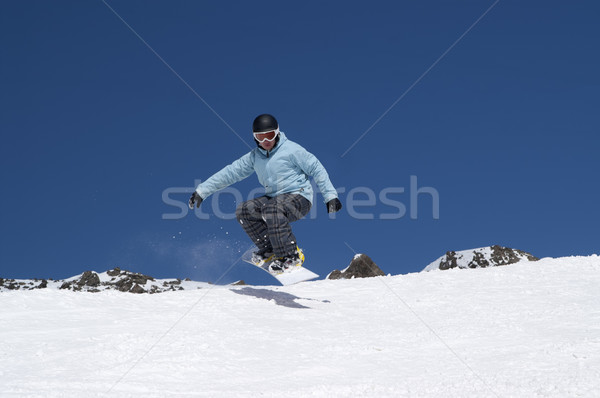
[95, 127]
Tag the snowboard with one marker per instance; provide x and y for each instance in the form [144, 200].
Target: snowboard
[295, 275]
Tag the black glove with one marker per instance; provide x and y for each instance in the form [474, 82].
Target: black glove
[334, 205]
[195, 199]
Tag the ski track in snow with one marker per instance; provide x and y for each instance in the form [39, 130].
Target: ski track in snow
[531, 329]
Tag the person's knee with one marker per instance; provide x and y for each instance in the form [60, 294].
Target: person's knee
[273, 213]
[241, 212]
[269, 209]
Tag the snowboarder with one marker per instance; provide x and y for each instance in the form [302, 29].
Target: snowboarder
[283, 168]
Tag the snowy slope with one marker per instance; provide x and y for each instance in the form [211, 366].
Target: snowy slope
[528, 330]
[115, 279]
[482, 257]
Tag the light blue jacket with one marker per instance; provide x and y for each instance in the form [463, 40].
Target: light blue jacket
[284, 169]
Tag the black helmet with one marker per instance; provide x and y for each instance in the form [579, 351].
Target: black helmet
[264, 122]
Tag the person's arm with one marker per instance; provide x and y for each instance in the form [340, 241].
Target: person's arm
[230, 174]
[312, 167]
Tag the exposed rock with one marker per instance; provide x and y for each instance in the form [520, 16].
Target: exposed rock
[43, 284]
[139, 278]
[114, 272]
[361, 266]
[155, 289]
[504, 256]
[89, 278]
[239, 283]
[137, 289]
[124, 285]
[492, 256]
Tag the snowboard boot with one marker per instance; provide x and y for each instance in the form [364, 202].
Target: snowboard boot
[287, 263]
[262, 257]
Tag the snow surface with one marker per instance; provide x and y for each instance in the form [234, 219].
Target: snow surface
[525, 330]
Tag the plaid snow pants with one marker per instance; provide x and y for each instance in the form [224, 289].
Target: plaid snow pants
[267, 221]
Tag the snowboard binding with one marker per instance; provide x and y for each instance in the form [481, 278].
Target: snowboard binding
[287, 264]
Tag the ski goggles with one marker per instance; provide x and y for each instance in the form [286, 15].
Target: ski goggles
[266, 135]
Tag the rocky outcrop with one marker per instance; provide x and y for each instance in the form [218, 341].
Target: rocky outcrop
[492, 256]
[114, 279]
[361, 266]
[89, 278]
